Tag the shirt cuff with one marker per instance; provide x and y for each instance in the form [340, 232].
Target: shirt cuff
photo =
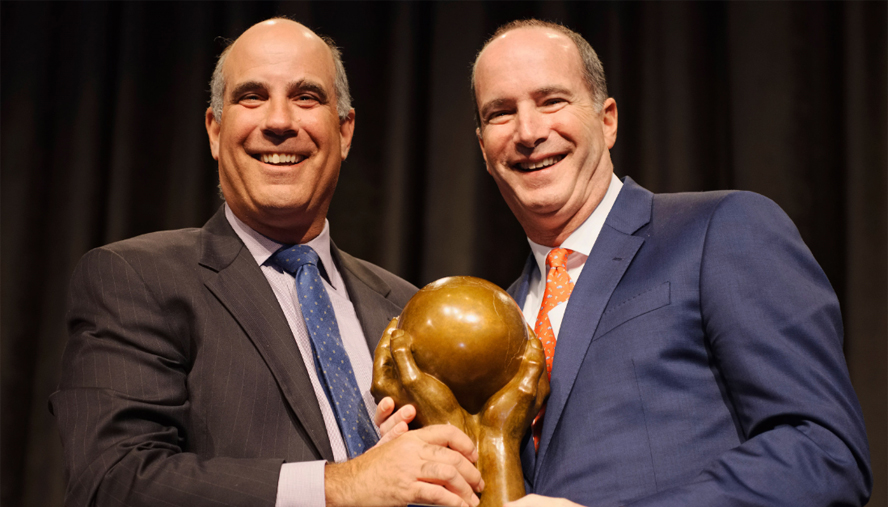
[301, 485]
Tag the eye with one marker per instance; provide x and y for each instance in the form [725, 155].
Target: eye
[554, 101]
[250, 98]
[307, 99]
[498, 116]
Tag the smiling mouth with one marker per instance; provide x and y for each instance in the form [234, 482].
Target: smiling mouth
[279, 158]
[536, 166]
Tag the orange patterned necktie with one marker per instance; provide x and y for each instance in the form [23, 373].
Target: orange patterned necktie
[558, 289]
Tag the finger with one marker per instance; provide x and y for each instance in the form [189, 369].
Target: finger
[382, 354]
[536, 345]
[394, 432]
[540, 501]
[543, 391]
[531, 367]
[404, 415]
[452, 470]
[384, 409]
[392, 325]
[446, 435]
[435, 494]
[525, 501]
[384, 383]
[521, 502]
[401, 344]
[383, 348]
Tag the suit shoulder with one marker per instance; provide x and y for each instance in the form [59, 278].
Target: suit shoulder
[173, 244]
[739, 204]
[714, 199]
[174, 252]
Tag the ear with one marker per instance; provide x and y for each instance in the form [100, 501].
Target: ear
[346, 131]
[481, 144]
[212, 132]
[609, 122]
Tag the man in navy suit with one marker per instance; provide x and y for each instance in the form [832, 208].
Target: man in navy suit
[698, 355]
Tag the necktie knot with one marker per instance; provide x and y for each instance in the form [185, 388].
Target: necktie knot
[291, 258]
[557, 258]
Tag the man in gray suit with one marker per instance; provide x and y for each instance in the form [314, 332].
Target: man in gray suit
[190, 375]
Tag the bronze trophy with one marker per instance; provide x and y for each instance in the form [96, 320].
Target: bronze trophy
[461, 353]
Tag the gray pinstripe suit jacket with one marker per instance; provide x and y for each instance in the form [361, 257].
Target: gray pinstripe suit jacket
[181, 382]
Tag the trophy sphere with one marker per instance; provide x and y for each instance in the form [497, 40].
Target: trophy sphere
[469, 334]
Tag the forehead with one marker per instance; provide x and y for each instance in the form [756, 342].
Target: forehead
[269, 53]
[528, 57]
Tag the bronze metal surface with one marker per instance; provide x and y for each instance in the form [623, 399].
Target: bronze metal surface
[469, 334]
[462, 354]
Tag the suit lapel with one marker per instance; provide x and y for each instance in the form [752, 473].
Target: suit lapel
[237, 281]
[519, 289]
[368, 293]
[610, 257]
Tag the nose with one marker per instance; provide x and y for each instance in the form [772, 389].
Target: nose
[531, 128]
[280, 119]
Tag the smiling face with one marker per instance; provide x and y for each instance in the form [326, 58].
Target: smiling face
[280, 142]
[543, 140]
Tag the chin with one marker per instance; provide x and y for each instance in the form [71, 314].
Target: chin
[542, 205]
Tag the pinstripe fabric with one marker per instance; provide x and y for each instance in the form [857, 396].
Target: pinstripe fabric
[353, 337]
[181, 381]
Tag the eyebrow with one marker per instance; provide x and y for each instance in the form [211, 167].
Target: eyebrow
[493, 104]
[551, 90]
[305, 85]
[539, 92]
[293, 88]
[242, 88]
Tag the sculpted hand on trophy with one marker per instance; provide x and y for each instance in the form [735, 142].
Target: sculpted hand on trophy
[461, 354]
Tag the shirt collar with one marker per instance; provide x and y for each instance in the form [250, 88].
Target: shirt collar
[583, 238]
[262, 247]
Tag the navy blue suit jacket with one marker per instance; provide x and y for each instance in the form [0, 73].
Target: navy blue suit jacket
[700, 363]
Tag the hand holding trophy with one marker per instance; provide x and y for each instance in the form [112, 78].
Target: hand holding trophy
[461, 354]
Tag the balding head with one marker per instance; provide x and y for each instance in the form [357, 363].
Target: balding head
[282, 133]
[284, 27]
[593, 71]
[543, 133]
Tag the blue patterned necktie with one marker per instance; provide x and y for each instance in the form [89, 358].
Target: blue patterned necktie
[331, 362]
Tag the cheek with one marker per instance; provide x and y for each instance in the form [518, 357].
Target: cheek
[496, 149]
[235, 129]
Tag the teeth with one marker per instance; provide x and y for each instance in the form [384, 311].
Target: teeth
[279, 158]
[529, 166]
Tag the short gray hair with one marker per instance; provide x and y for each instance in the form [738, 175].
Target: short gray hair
[343, 97]
[593, 71]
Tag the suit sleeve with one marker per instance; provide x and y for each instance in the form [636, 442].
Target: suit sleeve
[123, 407]
[774, 327]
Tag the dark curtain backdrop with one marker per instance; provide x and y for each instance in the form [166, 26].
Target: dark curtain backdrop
[103, 139]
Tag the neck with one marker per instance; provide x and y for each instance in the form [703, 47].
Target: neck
[290, 231]
[553, 235]
[554, 228]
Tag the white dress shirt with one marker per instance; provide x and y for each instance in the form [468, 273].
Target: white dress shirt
[302, 484]
[580, 242]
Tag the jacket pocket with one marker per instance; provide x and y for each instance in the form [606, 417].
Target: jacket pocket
[633, 307]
